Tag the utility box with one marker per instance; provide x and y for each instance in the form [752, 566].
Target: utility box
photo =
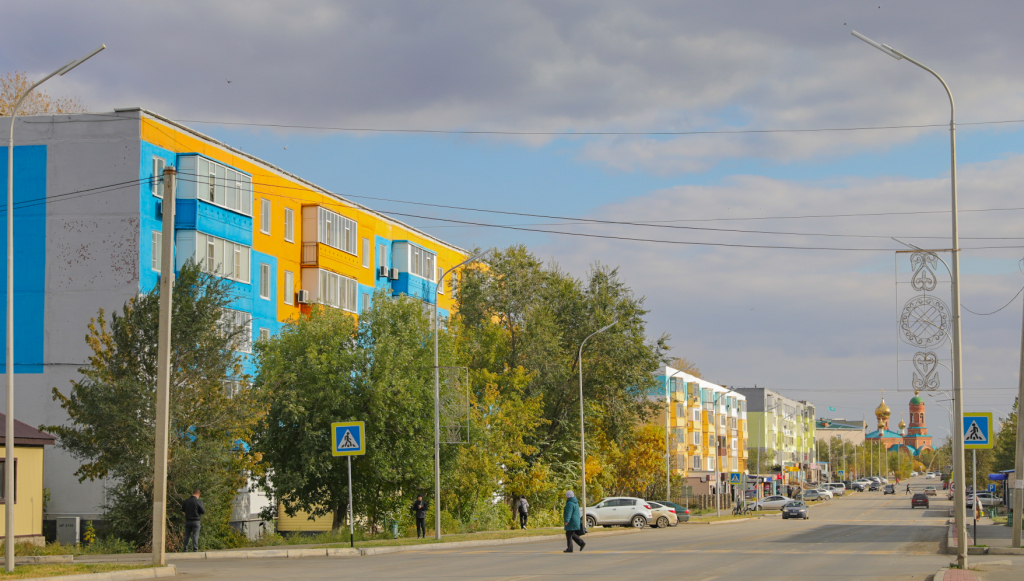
[68, 530]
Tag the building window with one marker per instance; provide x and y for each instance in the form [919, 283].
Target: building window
[366, 253]
[440, 282]
[222, 186]
[455, 281]
[233, 387]
[338, 291]
[711, 463]
[735, 464]
[157, 184]
[264, 216]
[158, 245]
[289, 287]
[3, 481]
[289, 225]
[696, 415]
[222, 257]
[238, 326]
[421, 262]
[696, 438]
[382, 254]
[264, 281]
[264, 333]
[366, 302]
[337, 231]
[697, 462]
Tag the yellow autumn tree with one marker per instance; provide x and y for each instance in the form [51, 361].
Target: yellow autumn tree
[14, 84]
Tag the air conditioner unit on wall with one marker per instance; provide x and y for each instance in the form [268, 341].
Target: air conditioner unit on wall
[382, 271]
[393, 274]
[302, 297]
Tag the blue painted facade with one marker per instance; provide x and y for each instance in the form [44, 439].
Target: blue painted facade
[29, 256]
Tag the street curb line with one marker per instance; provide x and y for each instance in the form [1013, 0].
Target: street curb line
[130, 575]
[266, 554]
[940, 575]
[41, 559]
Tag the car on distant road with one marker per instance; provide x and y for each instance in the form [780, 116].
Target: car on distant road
[858, 486]
[620, 510]
[874, 486]
[836, 488]
[682, 513]
[889, 489]
[771, 503]
[930, 475]
[919, 499]
[664, 515]
[931, 491]
[984, 499]
[913, 474]
[813, 494]
[796, 509]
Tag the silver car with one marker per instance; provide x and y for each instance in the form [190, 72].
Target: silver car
[620, 510]
[664, 516]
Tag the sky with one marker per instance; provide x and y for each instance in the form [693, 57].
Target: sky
[690, 120]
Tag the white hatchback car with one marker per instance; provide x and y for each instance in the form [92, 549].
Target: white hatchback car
[620, 510]
[771, 503]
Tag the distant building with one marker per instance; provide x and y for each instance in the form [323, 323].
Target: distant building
[912, 439]
[784, 426]
[851, 431]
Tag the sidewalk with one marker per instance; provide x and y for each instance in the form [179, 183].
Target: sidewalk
[992, 538]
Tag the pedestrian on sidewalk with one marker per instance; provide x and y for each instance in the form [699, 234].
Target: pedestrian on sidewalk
[571, 516]
[419, 508]
[194, 511]
[523, 508]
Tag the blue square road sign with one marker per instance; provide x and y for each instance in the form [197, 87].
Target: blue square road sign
[347, 439]
[978, 430]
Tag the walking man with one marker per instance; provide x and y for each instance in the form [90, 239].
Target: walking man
[524, 507]
[194, 511]
[571, 516]
[908, 488]
[420, 508]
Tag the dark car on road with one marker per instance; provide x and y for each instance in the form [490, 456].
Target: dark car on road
[889, 489]
[795, 509]
[874, 486]
[919, 499]
[682, 513]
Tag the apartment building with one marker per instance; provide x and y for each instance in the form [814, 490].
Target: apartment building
[88, 210]
[785, 427]
[707, 428]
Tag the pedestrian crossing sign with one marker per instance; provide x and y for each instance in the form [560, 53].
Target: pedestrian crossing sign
[978, 430]
[347, 439]
[735, 478]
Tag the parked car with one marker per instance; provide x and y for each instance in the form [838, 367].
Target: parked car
[796, 509]
[836, 488]
[919, 499]
[771, 503]
[858, 486]
[930, 475]
[812, 494]
[889, 489]
[664, 515]
[913, 474]
[621, 510]
[931, 491]
[682, 513]
[984, 499]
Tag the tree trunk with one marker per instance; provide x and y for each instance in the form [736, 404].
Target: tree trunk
[340, 512]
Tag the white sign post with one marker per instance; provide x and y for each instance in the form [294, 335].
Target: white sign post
[348, 439]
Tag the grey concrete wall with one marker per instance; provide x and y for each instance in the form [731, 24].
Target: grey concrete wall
[92, 262]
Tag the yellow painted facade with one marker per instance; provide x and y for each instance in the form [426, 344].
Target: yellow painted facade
[28, 513]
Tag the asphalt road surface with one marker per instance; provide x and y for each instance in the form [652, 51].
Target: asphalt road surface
[861, 536]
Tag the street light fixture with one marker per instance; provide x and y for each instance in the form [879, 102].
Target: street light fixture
[958, 409]
[9, 444]
[437, 398]
[583, 447]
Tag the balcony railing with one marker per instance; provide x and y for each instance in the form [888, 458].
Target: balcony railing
[310, 253]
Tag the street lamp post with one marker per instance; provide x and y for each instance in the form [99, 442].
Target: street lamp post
[583, 447]
[437, 399]
[9, 432]
[958, 403]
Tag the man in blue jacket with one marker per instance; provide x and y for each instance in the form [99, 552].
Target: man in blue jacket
[571, 516]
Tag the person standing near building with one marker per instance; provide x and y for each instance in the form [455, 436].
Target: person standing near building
[571, 516]
[420, 509]
[194, 511]
[523, 508]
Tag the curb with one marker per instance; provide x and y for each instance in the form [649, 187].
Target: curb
[130, 575]
[265, 554]
[940, 575]
[41, 559]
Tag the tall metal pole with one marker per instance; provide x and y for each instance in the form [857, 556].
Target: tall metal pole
[351, 521]
[437, 399]
[163, 372]
[583, 446]
[1018, 480]
[9, 361]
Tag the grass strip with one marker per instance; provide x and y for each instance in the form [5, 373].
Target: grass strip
[55, 569]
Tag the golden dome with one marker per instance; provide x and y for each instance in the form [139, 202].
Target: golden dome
[882, 411]
[902, 424]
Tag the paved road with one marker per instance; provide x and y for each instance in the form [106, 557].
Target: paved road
[862, 536]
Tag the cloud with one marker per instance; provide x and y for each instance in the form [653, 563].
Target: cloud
[538, 66]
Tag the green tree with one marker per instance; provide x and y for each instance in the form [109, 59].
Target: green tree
[328, 367]
[1003, 453]
[112, 410]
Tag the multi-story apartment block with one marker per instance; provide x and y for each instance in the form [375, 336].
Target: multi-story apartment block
[707, 428]
[785, 427]
[88, 203]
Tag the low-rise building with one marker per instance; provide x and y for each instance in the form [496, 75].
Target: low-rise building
[28, 495]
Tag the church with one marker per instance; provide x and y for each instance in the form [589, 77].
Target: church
[912, 439]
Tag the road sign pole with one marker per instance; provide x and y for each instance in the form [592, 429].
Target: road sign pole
[351, 524]
[1018, 492]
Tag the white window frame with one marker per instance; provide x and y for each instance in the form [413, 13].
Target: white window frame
[157, 249]
[696, 438]
[698, 462]
[422, 263]
[340, 292]
[265, 281]
[209, 248]
[231, 320]
[440, 283]
[366, 253]
[289, 225]
[265, 215]
[337, 231]
[264, 334]
[157, 185]
[382, 254]
[223, 186]
[289, 287]
[366, 302]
